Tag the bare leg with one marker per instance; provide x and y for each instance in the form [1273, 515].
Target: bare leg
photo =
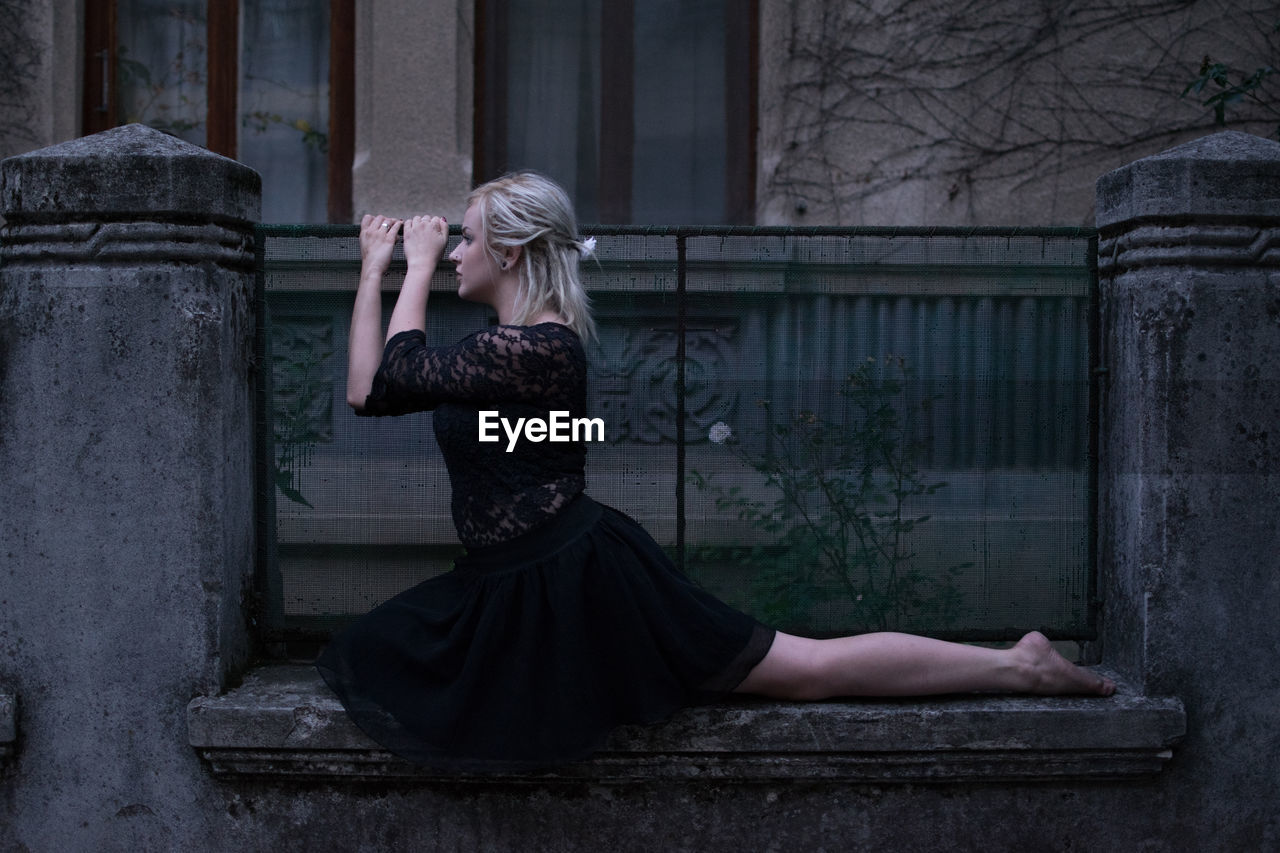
[889, 664]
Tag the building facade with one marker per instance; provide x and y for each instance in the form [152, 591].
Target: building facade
[731, 112]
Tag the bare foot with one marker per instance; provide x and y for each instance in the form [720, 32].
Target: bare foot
[1050, 674]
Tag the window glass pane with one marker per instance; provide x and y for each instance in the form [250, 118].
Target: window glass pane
[664, 121]
[552, 90]
[162, 66]
[284, 105]
[679, 160]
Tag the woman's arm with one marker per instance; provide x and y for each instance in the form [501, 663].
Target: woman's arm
[364, 350]
[424, 239]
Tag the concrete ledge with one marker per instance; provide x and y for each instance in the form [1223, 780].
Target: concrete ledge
[8, 725]
[283, 722]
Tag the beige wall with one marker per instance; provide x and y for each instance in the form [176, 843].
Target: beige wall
[41, 101]
[919, 114]
[1000, 112]
[413, 107]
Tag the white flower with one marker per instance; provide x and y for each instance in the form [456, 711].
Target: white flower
[719, 432]
[587, 247]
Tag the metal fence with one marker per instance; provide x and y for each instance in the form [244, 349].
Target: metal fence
[835, 429]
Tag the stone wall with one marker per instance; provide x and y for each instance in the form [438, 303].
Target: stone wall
[125, 607]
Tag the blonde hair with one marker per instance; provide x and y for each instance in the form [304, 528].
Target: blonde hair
[530, 211]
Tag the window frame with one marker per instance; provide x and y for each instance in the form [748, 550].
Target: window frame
[617, 127]
[101, 46]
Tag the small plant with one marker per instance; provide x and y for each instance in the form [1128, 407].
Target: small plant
[173, 98]
[260, 121]
[1234, 86]
[303, 397]
[837, 506]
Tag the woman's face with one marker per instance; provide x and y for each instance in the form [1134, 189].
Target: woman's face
[477, 271]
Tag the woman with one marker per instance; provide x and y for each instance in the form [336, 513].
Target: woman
[564, 619]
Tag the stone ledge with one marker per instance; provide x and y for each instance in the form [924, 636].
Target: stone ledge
[283, 723]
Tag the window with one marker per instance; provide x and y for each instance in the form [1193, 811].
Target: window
[269, 82]
[645, 112]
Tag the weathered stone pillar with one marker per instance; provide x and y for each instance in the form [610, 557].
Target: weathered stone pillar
[126, 453]
[413, 126]
[1189, 263]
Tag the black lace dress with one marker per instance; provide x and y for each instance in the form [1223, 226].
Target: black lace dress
[563, 620]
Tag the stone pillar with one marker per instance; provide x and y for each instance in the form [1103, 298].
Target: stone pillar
[413, 109]
[126, 453]
[1189, 480]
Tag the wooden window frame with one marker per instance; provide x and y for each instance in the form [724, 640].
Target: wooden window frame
[617, 130]
[99, 111]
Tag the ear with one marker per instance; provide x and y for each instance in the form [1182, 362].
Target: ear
[511, 256]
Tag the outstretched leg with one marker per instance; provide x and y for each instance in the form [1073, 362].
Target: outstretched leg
[890, 664]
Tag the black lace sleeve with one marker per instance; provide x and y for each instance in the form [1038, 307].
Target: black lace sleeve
[502, 364]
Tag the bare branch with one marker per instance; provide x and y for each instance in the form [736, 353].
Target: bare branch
[981, 97]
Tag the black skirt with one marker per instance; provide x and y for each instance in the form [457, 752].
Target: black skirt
[529, 652]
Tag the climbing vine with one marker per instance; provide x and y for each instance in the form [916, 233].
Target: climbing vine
[943, 110]
[20, 66]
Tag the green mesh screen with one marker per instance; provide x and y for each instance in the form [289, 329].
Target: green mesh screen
[836, 431]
